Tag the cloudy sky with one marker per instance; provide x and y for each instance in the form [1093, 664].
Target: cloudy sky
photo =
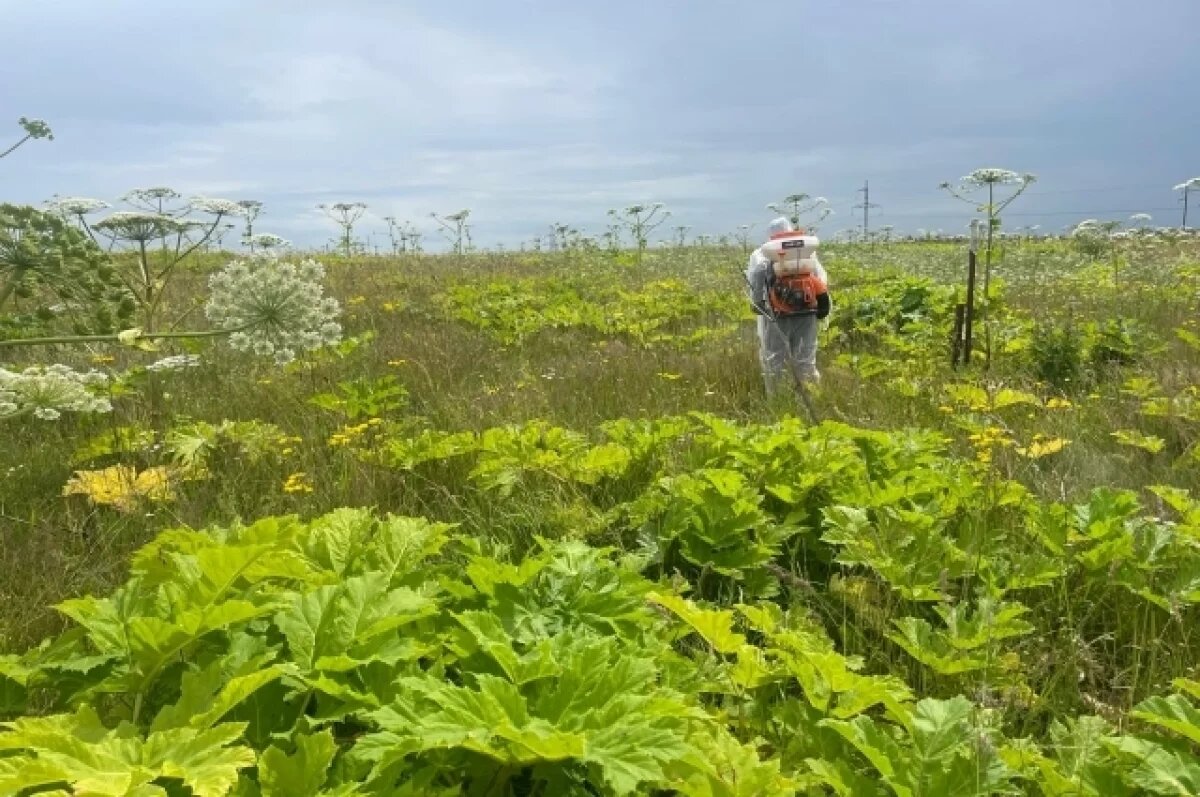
[530, 112]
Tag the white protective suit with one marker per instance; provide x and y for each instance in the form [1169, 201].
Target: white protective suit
[783, 337]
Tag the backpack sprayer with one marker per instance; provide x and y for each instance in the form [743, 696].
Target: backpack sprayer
[792, 257]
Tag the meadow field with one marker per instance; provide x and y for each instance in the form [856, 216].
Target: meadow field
[530, 526]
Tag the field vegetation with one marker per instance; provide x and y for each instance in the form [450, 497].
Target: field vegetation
[524, 523]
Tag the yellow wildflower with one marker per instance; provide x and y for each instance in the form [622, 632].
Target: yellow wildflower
[351, 434]
[298, 483]
[1042, 446]
[353, 300]
[102, 359]
[122, 486]
[397, 363]
[1058, 404]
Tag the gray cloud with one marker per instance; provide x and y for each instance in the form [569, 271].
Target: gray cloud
[539, 111]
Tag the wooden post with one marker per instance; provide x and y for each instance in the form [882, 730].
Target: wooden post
[969, 323]
[956, 343]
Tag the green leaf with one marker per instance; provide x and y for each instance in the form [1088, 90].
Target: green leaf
[489, 634]
[208, 695]
[1175, 713]
[336, 540]
[79, 751]
[14, 678]
[336, 622]
[1152, 767]
[1082, 763]
[200, 759]
[301, 774]
[715, 626]
[1135, 439]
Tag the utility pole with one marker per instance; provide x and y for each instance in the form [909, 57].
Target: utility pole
[866, 208]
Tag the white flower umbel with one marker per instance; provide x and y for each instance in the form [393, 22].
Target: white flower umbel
[138, 226]
[45, 392]
[175, 363]
[1189, 185]
[276, 308]
[982, 177]
[75, 205]
[217, 207]
[152, 199]
[266, 241]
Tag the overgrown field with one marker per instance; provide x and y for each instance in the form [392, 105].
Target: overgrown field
[533, 529]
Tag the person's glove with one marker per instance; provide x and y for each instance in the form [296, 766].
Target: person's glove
[824, 305]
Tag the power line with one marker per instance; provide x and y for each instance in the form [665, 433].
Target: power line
[865, 207]
[1098, 190]
[1040, 213]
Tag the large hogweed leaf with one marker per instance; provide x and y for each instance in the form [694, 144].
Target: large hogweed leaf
[301, 773]
[600, 714]
[973, 638]
[79, 751]
[340, 627]
[944, 752]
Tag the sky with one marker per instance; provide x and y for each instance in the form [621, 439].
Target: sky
[532, 112]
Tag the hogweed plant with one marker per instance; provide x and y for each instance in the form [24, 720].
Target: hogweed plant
[1140, 221]
[76, 208]
[454, 228]
[404, 236]
[266, 243]
[34, 129]
[264, 306]
[991, 181]
[251, 210]
[969, 189]
[743, 237]
[1187, 187]
[151, 274]
[50, 271]
[45, 392]
[640, 221]
[274, 309]
[797, 206]
[345, 215]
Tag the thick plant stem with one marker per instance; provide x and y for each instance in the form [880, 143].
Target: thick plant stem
[14, 147]
[114, 338]
[9, 286]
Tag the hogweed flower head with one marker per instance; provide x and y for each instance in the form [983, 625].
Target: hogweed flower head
[76, 205]
[151, 197]
[36, 128]
[1189, 185]
[276, 308]
[990, 179]
[50, 390]
[217, 207]
[267, 241]
[983, 177]
[138, 225]
[174, 363]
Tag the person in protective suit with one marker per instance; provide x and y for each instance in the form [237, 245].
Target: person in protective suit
[784, 334]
